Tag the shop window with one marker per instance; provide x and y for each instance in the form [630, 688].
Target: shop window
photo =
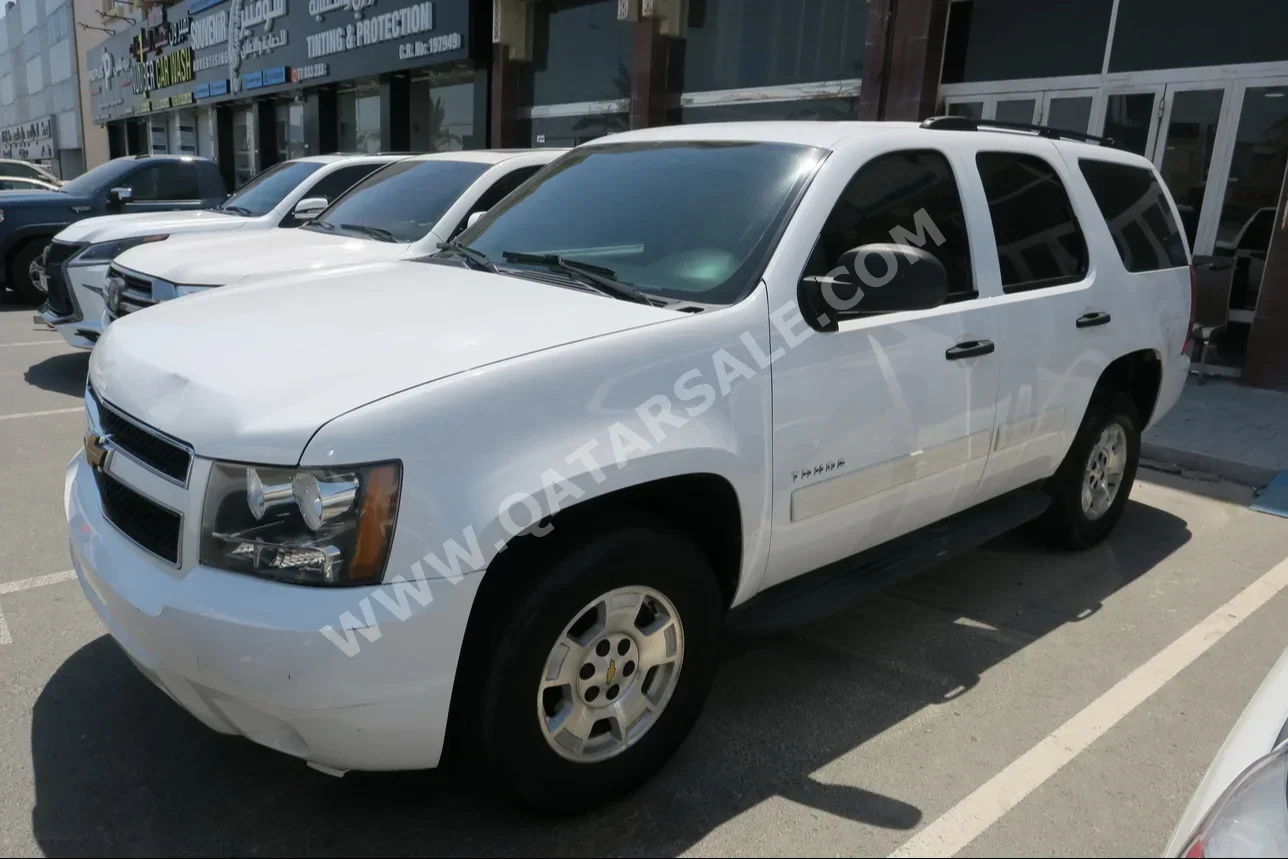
[1010, 39]
[359, 114]
[1039, 241]
[290, 130]
[809, 109]
[442, 113]
[243, 146]
[580, 52]
[1166, 34]
[733, 44]
[571, 130]
[1127, 120]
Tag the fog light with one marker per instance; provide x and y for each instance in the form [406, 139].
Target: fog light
[320, 501]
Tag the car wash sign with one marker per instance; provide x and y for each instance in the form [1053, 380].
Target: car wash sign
[30, 141]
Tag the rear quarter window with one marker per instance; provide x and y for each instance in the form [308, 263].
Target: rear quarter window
[1139, 215]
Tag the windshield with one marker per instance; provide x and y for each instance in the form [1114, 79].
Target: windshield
[685, 220]
[261, 194]
[402, 202]
[88, 183]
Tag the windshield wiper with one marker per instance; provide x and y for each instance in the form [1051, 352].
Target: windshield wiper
[473, 257]
[375, 232]
[602, 280]
[236, 210]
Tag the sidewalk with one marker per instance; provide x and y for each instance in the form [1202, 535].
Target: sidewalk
[1225, 429]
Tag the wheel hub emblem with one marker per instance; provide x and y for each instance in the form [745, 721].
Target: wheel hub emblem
[612, 671]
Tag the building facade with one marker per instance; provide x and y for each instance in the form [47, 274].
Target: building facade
[1197, 86]
[40, 85]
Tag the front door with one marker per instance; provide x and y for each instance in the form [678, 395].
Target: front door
[879, 427]
[162, 185]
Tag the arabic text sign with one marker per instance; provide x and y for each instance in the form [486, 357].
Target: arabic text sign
[28, 140]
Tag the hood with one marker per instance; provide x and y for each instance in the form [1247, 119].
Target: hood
[250, 373]
[112, 227]
[223, 260]
[41, 199]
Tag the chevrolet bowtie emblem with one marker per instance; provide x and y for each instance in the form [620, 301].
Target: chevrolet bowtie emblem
[612, 671]
[95, 450]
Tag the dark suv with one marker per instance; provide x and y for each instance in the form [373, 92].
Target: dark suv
[136, 183]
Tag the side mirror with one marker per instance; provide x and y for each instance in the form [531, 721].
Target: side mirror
[120, 196]
[871, 279]
[474, 218]
[309, 208]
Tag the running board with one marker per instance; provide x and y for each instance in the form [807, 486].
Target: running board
[840, 585]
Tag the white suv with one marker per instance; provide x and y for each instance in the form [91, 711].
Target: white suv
[506, 500]
[406, 210]
[285, 195]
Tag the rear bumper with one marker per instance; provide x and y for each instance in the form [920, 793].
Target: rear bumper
[249, 656]
[1175, 371]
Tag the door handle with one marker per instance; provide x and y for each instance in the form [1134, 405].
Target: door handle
[969, 349]
[1090, 320]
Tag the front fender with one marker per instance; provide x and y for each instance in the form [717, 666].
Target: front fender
[486, 452]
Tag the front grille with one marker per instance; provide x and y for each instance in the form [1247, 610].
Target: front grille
[165, 456]
[60, 294]
[136, 294]
[147, 523]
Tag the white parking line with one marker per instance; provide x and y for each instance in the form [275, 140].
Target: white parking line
[41, 414]
[965, 821]
[36, 582]
[32, 343]
[25, 585]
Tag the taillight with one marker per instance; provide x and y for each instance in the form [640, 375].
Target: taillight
[1194, 295]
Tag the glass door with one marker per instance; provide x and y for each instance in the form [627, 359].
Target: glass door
[1021, 108]
[1252, 164]
[1068, 110]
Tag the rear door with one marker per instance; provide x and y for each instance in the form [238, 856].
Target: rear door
[1054, 319]
[879, 427]
[163, 185]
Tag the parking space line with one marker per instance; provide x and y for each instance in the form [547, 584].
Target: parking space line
[32, 343]
[964, 822]
[41, 414]
[5, 637]
[35, 582]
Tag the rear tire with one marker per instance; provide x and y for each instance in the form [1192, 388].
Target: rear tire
[20, 279]
[520, 712]
[1090, 489]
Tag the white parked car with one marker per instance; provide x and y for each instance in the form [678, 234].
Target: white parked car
[287, 194]
[507, 499]
[1241, 806]
[406, 210]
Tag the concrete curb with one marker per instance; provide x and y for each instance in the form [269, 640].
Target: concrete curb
[1239, 472]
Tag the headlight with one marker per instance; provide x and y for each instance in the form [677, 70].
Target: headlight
[1251, 817]
[108, 251]
[315, 526]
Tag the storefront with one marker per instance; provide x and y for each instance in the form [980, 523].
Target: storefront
[253, 82]
[1198, 87]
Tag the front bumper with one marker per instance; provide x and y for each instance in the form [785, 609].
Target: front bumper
[248, 656]
[83, 327]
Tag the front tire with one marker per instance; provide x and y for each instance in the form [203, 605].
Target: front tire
[605, 650]
[1089, 491]
[21, 280]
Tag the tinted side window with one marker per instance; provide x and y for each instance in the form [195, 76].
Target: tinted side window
[21, 170]
[1039, 241]
[338, 181]
[497, 193]
[911, 196]
[166, 180]
[1136, 209]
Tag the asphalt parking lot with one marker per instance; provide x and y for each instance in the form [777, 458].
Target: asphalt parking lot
[1012, 703]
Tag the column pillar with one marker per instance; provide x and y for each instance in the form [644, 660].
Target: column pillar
[265, 118]
[648, 74]
[321, 128]
[901, 61]
[224, 145]
[395, 112]
[504, 103]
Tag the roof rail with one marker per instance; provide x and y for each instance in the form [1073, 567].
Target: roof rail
[967, 123]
